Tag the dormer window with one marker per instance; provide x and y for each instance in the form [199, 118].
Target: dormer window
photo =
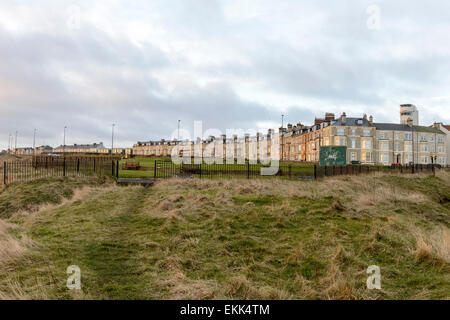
[359, 121]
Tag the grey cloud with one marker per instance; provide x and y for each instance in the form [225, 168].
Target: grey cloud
[90, 78]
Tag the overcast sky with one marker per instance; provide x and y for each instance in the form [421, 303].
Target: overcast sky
[233, 64]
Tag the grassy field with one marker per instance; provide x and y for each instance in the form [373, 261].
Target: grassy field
[227, 239]
[148, 165]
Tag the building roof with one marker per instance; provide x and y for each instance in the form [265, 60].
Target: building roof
[427, 129]
[405, 127]
[82, 146]
[352, 122]
[393, 127]
[446, 126]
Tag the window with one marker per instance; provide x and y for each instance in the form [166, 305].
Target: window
[385, 158]
[383, 135]
[397, 146]
[341, 142]
[366, 132]
[353, 132]
[441, 150]
[408, 146]
[441, 139]
[408, 136]
[433, 148]
[397, 136]
[340, 132]
[423, 138]
[353, 144]
[432, 138]
[367, 144]
[384, 146]
[353, 156]
[442, 160]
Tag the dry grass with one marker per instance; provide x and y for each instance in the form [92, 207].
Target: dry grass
[235, 239]
[11, 248]
[434, 248]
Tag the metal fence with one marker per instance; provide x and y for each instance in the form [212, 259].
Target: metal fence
[28, 170]
[168, 169]
[330, 171]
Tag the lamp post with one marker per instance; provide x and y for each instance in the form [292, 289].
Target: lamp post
[34, 142]
[15, 142]
[112, 138]
[179, 130]
[9, 143]
[282, 137]
[64, 141]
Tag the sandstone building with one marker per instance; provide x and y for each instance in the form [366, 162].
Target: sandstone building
[367, 142]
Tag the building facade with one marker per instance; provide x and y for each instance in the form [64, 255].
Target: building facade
[97, 148]
[367, 142]
[445, 129]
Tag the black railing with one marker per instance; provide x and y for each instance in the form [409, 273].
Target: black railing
[167, 169]
[28, 170]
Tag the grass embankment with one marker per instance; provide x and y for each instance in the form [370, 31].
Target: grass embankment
[229, 239]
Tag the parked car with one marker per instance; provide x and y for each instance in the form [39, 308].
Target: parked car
[356, 162]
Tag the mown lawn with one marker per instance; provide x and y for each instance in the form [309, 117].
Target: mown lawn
[147, 169]
[228, 239]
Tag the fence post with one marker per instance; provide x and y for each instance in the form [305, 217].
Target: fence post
[315, 171]
[154, 174]
[200, 170]
[94, 165]
[112, 168]
[78, 165]
[117, 169]
[4, 173]
[248, 170]
[64, 167]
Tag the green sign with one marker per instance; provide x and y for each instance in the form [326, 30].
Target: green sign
[333, 156]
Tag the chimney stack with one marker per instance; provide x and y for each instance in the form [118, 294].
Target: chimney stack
[344, 118]
[289, 127]
[371, 119]
[329, 116]
[409, 122]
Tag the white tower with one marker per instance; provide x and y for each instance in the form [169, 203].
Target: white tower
[409, 111]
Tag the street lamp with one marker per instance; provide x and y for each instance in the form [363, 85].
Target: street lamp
[64, 141]
[34, 142]
[282, 137]
[112, 138]
[179, 130]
